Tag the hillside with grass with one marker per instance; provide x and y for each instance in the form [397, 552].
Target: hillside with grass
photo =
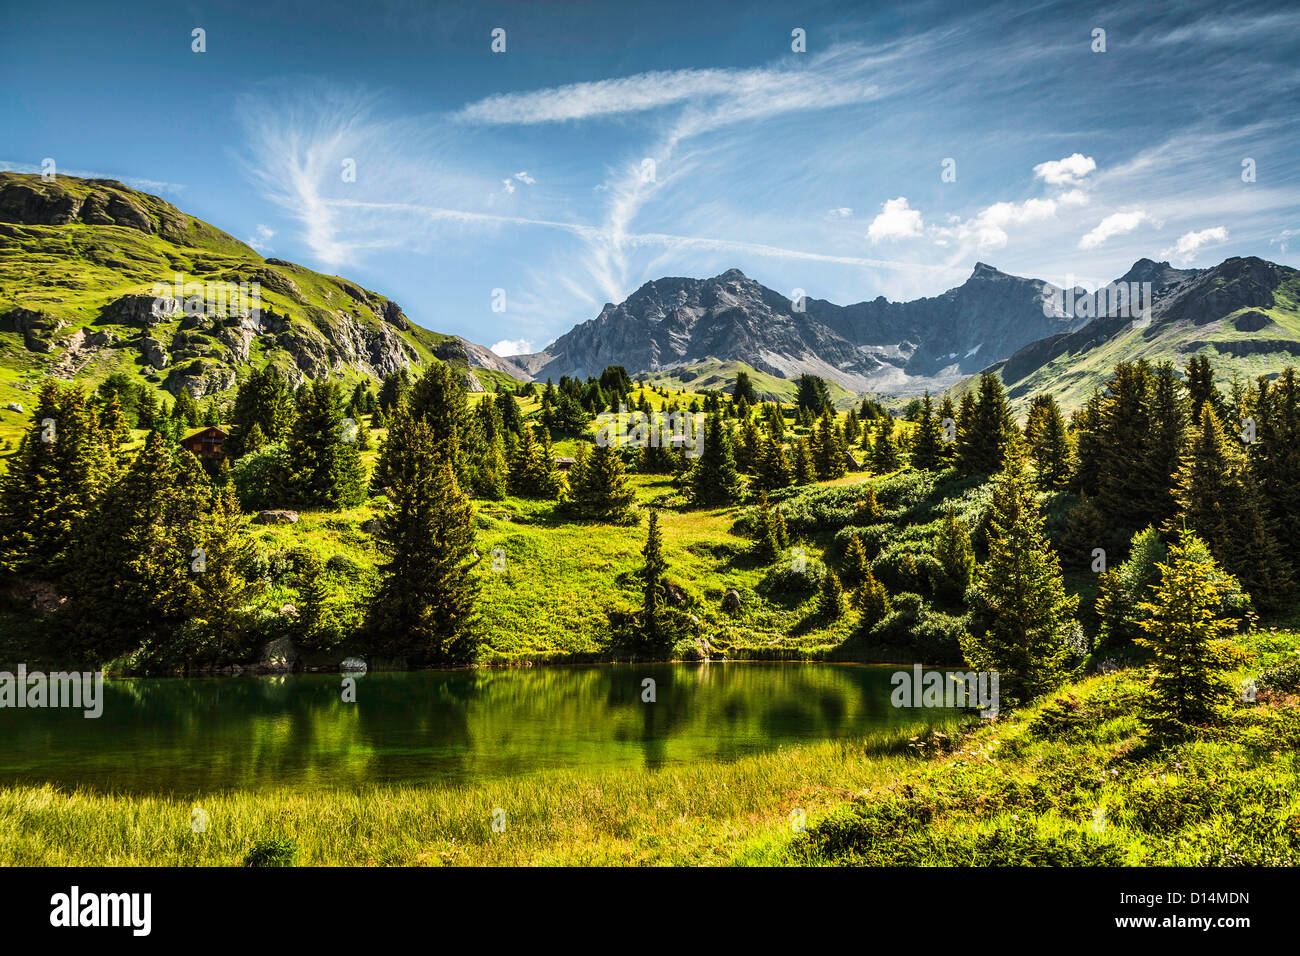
[93, 281]
[1244, 314]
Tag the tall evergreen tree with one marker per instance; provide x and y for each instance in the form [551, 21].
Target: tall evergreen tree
[52, 483]
[714, 479]
[828, 449]
[771, 466]
[884, 451]
[1186, 633]
[1221, 503]
[325, 464]
[1024, 616]
[262, 401]
[132, 577]
[985, 429]
[228, 586]
[425, 607]
[927, 451]
[955, 555]
[598, 486]
[1048, 443]
[743, 390]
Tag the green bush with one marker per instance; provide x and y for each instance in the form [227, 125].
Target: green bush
[272, 853]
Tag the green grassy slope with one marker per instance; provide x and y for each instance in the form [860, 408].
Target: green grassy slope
[59, 278]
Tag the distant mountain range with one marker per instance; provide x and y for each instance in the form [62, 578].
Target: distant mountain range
[899, 347]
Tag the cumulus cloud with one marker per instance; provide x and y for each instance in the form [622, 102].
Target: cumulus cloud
[512, 347]
[525, 178]
[896, 221]
[988, 229]
[843, 212]
[1185, 249]
[1116, 224]
[1065, 172]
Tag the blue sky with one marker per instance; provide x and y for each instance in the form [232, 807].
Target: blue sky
[530, 170]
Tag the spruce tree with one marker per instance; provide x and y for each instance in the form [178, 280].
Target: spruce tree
[884, 452]
[425, 607]
[1024, 616]
[871, 601]
[743, 390]
[771, 467]
[326, 470]
[1186, 633]
[805, 469]
[770, 534]
[1222, 504]
[927, 451]
[830, 597]
[532, 469]
[262, 401]
[827, 449]
[658, 626]
[854, 567]
[1048, 443]
[986, 428]
[318, 625]
[598, 486]
[439, 398]
[133, 563]
[714, 479]
[228, 586]
[53, 482]
[955, 554]
[1275, 457]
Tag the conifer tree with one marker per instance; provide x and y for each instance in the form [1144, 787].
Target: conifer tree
[438, 397]
[770, 534]
[318, 624]
[714, 479]
[927, 450]
[262, 400]
[598, 486]
[986, 428]
[1221, 503]
[884, 452]
[227, 587]
[1048, 443]
[425, 607]
[866, 510]
[771, 467]
[1275, 457]
[854, 567]
[658, 627]
[948, 438]
[113, 425]
[1024, 616]
[830, 597]
[743, 390]
[827, 449]
[955, 554]
[805, 469]
[326, 470]
[872, 603]
[532, 469]
[1186, 633]
[132, 577]
[52, 483]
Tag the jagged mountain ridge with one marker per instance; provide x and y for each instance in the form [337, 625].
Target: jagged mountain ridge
[879, 345]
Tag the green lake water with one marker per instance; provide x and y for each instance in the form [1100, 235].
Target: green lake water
[430, 727]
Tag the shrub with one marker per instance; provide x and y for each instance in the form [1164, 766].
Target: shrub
[272, 853]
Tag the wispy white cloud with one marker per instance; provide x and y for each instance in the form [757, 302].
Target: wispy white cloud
[1116, 224]
[261, 239]
[1189, 243]
[135, 182]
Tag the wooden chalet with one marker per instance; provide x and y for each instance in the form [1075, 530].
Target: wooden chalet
[207, 442]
